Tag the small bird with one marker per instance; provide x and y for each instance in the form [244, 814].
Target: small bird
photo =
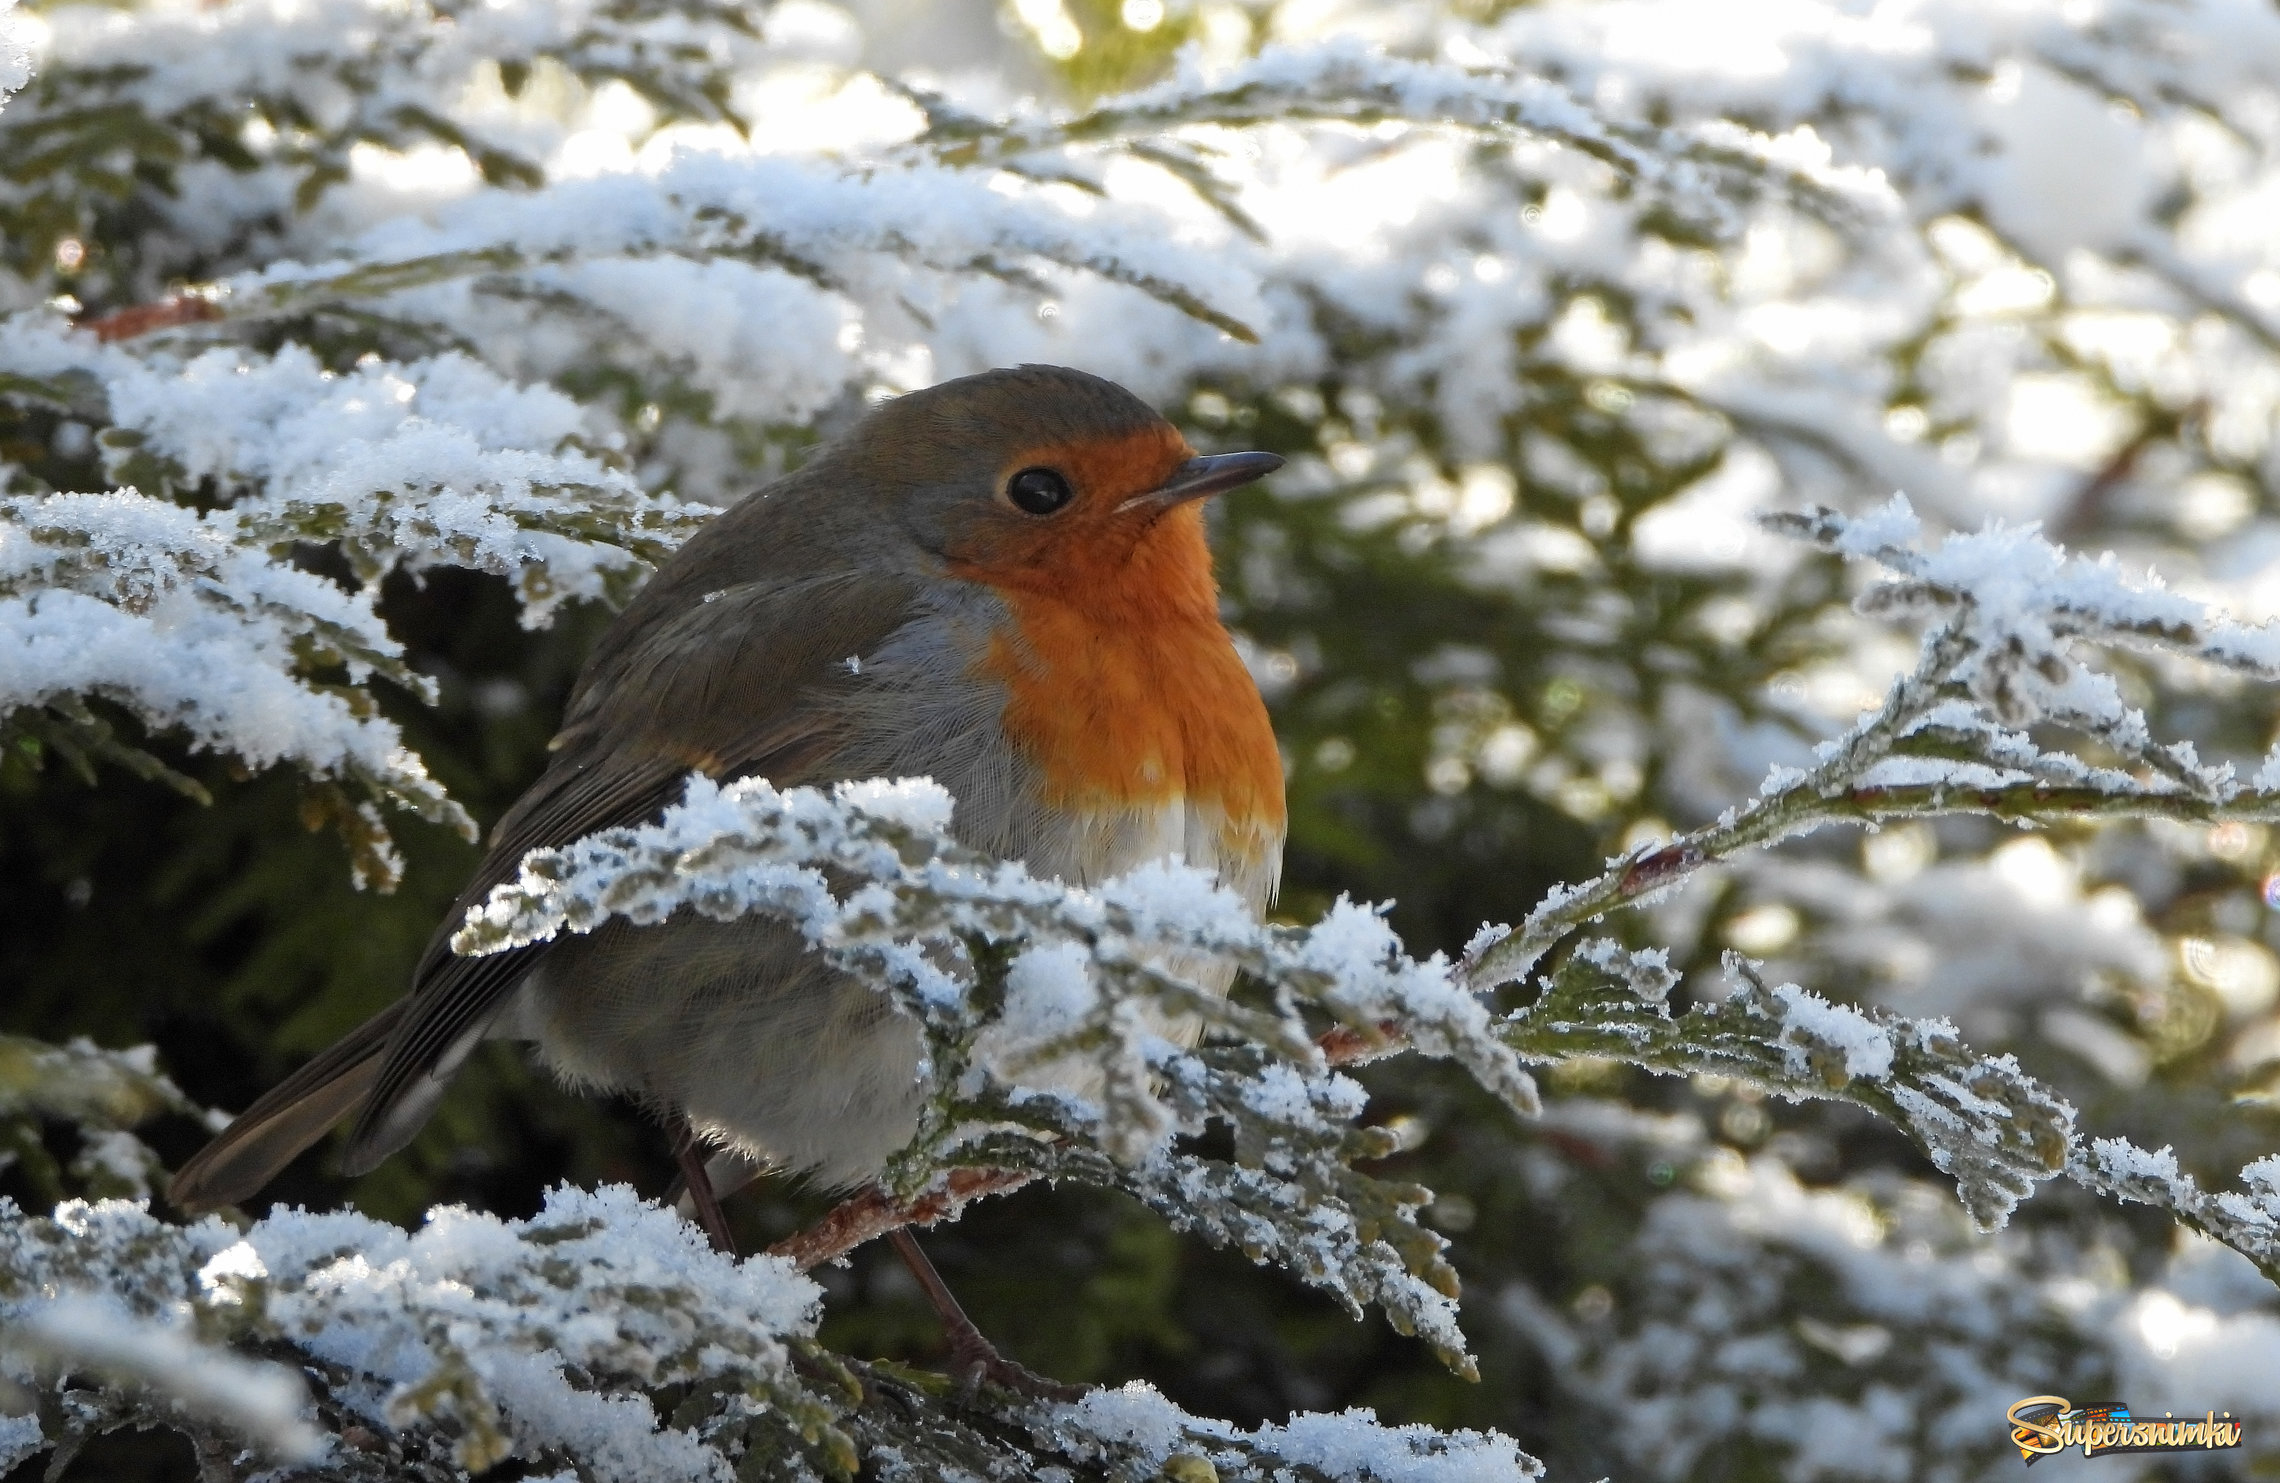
[1000, 582]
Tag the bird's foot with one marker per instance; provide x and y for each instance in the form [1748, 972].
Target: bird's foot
[975, 1360]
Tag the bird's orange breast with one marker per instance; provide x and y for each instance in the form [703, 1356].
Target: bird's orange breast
[1125, 691]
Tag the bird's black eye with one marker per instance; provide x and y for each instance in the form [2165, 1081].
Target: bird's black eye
[1039, 491]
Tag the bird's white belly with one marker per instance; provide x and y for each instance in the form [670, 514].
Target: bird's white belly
[1042, 990]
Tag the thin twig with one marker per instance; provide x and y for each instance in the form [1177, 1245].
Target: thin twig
[874, 1213]
[1806, 801]
[168, 313]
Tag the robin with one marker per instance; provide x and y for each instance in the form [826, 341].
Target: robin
[1000, 582]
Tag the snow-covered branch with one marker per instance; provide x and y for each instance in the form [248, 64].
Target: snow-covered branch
[486, 1338]
[149, 1367]
[1043, 1051]
[2006, 610]
[2248, 1222]
[436, 462]
[209, 622]
[1054, 975]
[557, 1340]
[1699, 171]
[103, 1096]
[172, 615]
[1986, 1124]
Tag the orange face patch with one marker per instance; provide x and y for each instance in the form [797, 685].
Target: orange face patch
[1122, 684]
[1071, 549]
[1117, 715]
[1109, 470]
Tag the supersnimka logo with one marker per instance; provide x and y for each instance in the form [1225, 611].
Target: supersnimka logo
[2046, 1425]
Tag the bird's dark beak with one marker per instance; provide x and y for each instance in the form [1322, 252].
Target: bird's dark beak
[1214, 473]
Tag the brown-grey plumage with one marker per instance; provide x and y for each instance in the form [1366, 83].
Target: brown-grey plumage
[806, 635]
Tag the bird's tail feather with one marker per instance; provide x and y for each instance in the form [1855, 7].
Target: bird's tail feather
[292, 1115]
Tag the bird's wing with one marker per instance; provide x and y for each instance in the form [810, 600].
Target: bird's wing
[744, 681]
[748, 681]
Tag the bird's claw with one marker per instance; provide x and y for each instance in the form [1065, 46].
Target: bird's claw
[973, 1360]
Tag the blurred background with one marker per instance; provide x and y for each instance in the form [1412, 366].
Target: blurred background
[1507, 604]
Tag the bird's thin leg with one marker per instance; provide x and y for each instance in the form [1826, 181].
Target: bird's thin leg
[973, 1358]
[691, 1158]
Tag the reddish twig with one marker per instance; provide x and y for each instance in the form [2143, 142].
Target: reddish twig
[141, 319]
[1578, 1148]
[874, 1213]
[2087, 509]
[1345, 1044]
[1658, 868]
